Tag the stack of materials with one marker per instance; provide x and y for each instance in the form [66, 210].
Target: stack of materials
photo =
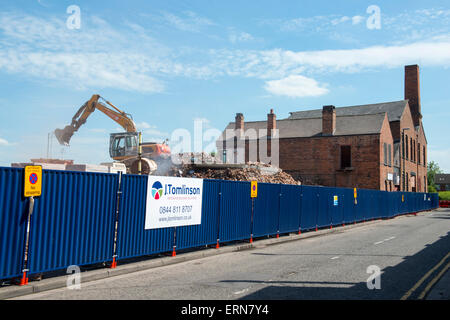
[87, 168]
[47, 164]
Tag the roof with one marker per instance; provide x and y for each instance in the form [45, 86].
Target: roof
[312, 127]
[441, 178]
[393, 109]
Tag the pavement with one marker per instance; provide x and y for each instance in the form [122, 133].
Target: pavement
[402, 258]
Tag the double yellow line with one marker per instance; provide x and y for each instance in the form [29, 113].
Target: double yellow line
[425, 277]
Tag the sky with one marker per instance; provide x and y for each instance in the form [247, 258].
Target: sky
[178, 65]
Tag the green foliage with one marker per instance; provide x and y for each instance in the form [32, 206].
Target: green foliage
[432, 169]
[444, 195]
[432, 189]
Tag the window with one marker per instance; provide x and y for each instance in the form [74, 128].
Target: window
[224, 156]
[406, 148]
[411, 154]
[390, 155]
[424, 157]
[403, 147]
[418, 153]
[346, 157]
[385, 154]
[407, 182]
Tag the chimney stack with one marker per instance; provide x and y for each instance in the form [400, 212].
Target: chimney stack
[328, 120]
[271, 122]
[239, 123]
[412, 91]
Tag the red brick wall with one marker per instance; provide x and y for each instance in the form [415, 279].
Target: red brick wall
[411, 165]
[316, 161]
[386, 138]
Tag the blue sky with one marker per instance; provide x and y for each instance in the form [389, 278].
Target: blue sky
[169, 63]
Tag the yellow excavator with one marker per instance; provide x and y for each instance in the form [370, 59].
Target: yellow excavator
[125, 147]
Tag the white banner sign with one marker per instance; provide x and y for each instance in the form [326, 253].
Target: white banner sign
[173, 202]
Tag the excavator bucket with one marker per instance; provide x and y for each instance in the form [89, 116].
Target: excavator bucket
[63, 136]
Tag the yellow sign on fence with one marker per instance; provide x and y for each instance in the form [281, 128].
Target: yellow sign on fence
[254, 189]
[33, 181]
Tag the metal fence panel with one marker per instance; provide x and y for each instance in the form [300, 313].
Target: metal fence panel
[310, 207]
[235, 211]
[73, 220]
[266, 210]
[349, 206]
[363, 205]
[132, 238]
[325, 202]
[207, 232]
[336, 211]
[290, 208]
[13, 222]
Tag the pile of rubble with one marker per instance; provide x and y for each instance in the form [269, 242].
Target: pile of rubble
[248, 172]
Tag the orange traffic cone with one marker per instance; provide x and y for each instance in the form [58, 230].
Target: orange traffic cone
[114, 263]
[24, 279]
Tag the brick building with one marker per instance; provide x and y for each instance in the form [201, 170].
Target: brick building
[374, 146]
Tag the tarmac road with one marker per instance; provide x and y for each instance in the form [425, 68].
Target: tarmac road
[410, 251]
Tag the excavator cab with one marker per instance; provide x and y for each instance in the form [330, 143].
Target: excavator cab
[123, 145]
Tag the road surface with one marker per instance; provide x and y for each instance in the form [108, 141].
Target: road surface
[409, 251]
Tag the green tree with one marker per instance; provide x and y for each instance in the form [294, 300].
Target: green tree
[432, 169]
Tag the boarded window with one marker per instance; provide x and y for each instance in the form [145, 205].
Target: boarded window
[346, 157]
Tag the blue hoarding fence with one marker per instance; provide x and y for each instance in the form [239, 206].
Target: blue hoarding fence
[88, 218]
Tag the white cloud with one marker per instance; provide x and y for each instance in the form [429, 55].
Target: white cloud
[295, 86]
[278, 63]
[95, 58]
[339, 20]
[239, 36]
[357, 19]
[189, 22]
[4, 142]
[91, 58]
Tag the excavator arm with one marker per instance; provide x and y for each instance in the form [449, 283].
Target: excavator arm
[64, 135]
